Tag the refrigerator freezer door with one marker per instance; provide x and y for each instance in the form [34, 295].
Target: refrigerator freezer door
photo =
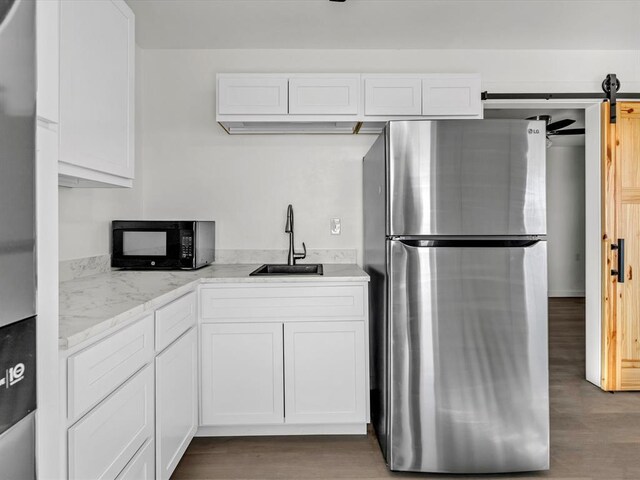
[466, 177]
[468, 359]
[17, 160]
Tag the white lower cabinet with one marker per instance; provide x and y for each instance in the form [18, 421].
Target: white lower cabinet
[103, 442]
[142, 466]
[242, 374]
[324, 365]
[176, 401]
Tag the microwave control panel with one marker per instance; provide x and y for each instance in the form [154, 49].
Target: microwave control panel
[186, 244]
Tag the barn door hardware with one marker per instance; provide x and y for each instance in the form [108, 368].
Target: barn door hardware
[608, 93]
[610, 86]
[619, 272]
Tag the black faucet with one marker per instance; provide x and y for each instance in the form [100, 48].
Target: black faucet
[293, 256]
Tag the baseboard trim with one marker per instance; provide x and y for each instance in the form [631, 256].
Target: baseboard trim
[566, 293]
[262, 430]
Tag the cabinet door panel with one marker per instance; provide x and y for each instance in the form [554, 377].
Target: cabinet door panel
[97, 86]
[393, 96]
[252, 95]
[47, 34]
[324, 96]
[142, 466]
[242, 374]
[176, 402]
[108, 437]
[325, 372]
[101, 368]
[451, 95]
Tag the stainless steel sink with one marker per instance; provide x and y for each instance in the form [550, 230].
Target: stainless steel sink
[278, 269]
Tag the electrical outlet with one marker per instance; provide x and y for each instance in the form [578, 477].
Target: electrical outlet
[336, 226]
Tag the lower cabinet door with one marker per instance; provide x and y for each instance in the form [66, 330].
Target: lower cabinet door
[176, 401]
[325, 372]
[105, 440]
[142, 466]
[242, 374]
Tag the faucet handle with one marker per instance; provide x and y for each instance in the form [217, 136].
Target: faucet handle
[300, 256]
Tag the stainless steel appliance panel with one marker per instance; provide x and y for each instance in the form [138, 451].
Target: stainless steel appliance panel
[468, 358]
[376, 267]
[17, 160]
[17, 450]
[466, 177]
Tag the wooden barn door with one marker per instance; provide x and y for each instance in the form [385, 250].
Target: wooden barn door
[621, 248]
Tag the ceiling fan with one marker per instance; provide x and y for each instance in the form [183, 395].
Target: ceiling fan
[558, 128]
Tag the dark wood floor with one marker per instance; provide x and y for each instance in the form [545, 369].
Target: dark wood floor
[594, 435]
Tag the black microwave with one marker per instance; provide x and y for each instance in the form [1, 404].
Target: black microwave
[159, 244]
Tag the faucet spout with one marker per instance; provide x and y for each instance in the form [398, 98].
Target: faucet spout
[293, 255]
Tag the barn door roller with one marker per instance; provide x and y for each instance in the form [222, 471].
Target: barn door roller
[610, 86]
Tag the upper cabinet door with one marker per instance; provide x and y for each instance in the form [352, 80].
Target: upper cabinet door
[392, 96]
[47, 34]
[97, 47]
[324, 95]
[252, 95]
[451, 95]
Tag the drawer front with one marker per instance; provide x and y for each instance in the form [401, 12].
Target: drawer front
[281, 302]
[252, 95]
[99, 369]
[324, 96]
[105, 440]
[142, 466]
[174, 319]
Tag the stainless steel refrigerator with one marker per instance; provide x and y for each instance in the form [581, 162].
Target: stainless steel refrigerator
[17, 239]
[455, 245]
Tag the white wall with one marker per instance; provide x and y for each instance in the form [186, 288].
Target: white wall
[85, 214]
[565, 220]
[193, 169]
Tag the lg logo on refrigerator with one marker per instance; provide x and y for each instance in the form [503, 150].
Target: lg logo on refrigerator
[534, 130]
[12, 375]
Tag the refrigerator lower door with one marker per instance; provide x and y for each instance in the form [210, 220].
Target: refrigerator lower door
[468, 357]
[17, 450]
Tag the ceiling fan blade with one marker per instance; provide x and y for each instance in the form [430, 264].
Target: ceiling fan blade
[568, 131]
[560, 124]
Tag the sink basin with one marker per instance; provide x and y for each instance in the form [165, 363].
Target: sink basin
[277, 269]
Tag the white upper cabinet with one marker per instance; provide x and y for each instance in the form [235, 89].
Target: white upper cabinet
[47, 35]
[451, 95]
[324, 95]
[339, 102]
[392, 95]
[252, 95]
[97, 48]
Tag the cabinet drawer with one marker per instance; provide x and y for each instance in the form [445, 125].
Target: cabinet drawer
[324, 96]
[280, 302]
[142, 466]
[98, 370]
[105, 440]
[174, 319]
[252, 95]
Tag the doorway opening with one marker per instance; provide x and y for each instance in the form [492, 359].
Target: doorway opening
[573, 210]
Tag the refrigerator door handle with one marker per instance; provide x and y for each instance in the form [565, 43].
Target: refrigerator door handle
[470, 243]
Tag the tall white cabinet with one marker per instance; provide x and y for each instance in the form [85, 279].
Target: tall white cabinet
[97, 66]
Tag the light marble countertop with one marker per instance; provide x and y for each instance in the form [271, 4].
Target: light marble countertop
[92, 305]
